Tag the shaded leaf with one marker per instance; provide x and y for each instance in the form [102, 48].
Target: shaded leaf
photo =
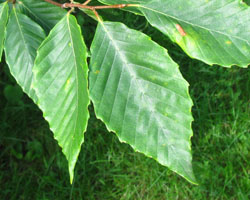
[13, 94]
[44, 13]
[216, 32]
[4, 8]
[23, 37]
[61, 85]
[90, 14]
[247, 2]
[140, 94]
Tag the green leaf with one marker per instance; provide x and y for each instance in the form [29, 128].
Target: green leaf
[90, 13]
[23, 37]
[216, 32]
[140, 94]
[44, 13]
[4, 8]
[61, 85]
[247, 2]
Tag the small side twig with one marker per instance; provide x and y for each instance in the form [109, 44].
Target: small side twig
[76, 5]
[73, 5]
[85, 6]
[86, 2]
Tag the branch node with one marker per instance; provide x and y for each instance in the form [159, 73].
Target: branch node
[85, 6]
[64, 5]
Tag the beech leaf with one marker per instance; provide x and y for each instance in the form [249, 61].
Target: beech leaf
[214, 31]
[139, 93]
[61, 86]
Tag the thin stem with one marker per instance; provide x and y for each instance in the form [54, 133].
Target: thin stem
[97, 16]
[71, 9]
[54, 3]
[86, 2]
[70, 5]
[85, 6]
[12, 1]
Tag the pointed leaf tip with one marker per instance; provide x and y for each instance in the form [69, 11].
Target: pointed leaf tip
[62, 87]
[139, 93]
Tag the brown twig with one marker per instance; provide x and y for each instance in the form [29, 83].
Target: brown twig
[70, 5]
[85, 6]
[92, 8]
[12, 1]
[54, 3]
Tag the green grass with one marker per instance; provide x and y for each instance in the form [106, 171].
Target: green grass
[33, 167]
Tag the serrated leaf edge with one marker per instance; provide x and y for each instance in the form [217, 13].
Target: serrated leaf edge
[71, 171]
[134, 148]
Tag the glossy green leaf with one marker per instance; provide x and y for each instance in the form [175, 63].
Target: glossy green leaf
[23, 37]
[140, 94]
[4, 8]
[61, 86]
[214, 31]
[44, 13]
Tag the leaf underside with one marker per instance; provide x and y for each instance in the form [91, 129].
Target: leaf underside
[23, 37]
[140, 94]
[216, 32]
[61, 86]
[4, 8]
[44, 13]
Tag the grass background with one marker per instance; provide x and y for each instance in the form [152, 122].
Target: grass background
[33, 167]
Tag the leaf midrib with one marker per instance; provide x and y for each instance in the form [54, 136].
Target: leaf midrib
[191, 24]
[24, 41]
[77, 84]
[138, 85]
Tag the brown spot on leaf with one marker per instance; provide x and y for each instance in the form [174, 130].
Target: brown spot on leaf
[180, 29]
